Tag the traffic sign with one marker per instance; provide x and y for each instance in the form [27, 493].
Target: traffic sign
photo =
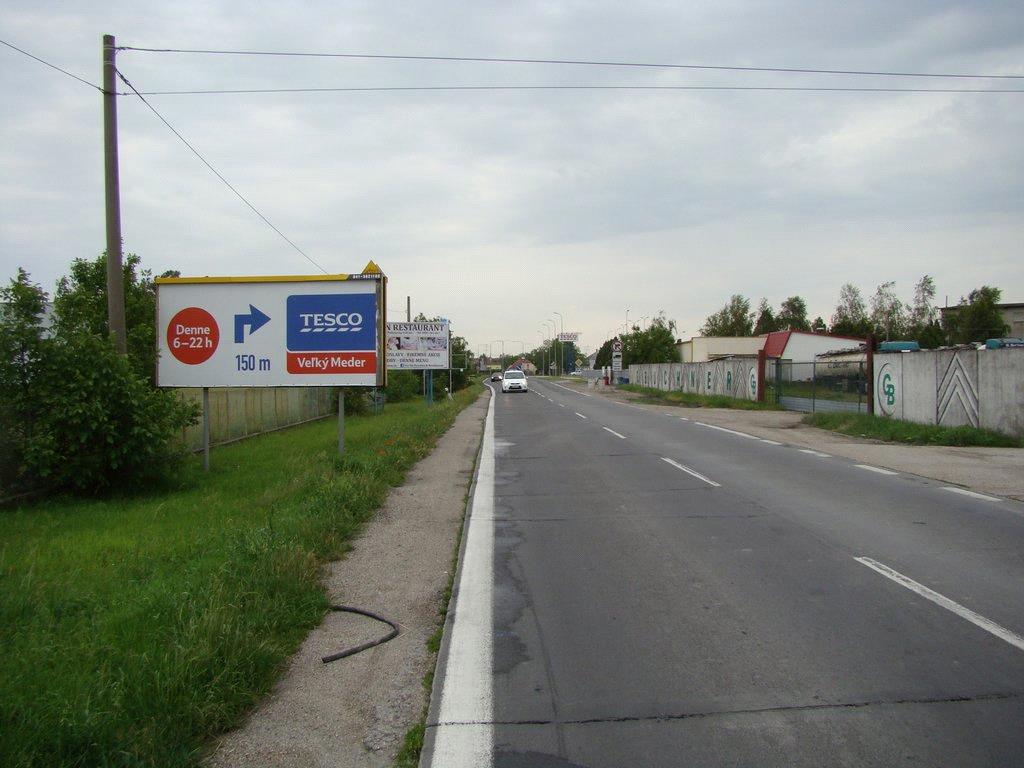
[616, 345]
[283, 331]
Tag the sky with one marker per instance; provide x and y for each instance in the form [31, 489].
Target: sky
[502, 209]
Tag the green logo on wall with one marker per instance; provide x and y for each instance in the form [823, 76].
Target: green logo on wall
[886, 395]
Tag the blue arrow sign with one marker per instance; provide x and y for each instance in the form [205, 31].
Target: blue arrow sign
[255, 320]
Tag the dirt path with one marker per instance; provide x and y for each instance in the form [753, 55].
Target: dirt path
[355, 712]
[996, 471]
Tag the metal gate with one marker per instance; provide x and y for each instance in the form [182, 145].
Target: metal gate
[819, 386]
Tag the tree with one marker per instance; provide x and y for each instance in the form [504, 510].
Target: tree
[818, 326]
[734, 319]
[766, 320]
[80, 306]
[850, 318]
[923, 321]
[654, 344]
[888, 315]
[793, 315]
[978, 317]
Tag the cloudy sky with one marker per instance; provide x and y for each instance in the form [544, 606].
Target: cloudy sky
[498, 209]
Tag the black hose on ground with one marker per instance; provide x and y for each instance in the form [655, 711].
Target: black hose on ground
[359, 648]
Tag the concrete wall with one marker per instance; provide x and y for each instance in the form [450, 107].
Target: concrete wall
[237, 412]
[736, 377]
[978, 388]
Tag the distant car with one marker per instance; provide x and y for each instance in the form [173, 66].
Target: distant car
[496, 377]
[576, 373]
[514, 381]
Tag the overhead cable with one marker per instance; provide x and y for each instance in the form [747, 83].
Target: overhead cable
[52, 66]
[370, 89]
[571, 62]
[218, 175]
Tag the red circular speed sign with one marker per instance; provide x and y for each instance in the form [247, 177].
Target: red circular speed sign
[192, 336]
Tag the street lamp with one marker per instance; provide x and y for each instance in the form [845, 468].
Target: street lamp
[561, 346]
[553, 326]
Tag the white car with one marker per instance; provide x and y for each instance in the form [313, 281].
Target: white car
[514, 381]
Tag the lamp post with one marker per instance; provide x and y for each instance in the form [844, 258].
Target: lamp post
[561, 344]
[553, 342]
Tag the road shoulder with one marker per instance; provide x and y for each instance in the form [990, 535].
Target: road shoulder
[355, 712]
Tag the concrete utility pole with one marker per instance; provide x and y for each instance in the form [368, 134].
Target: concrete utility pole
[115, 271]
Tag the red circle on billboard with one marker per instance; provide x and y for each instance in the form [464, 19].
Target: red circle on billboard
[193, 335]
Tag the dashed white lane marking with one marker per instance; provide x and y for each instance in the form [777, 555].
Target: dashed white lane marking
[561, 405]
[570, 389]
[689, 471]
[464, 738]
[683, 418]
[965, 613]
[879, 470]
[621, 437]
[770, 442]
[972, 494]
[579, 414]
[723, 429]
[816, 453]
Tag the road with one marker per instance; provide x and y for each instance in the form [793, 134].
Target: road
[637, 588]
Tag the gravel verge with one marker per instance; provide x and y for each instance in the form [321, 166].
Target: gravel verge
[355, 712]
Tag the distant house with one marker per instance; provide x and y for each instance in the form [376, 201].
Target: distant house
[524, 365]
[1013, 316]
[804, 346]
[702, 349]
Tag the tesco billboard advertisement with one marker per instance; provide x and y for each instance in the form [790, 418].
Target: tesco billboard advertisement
[271, 331]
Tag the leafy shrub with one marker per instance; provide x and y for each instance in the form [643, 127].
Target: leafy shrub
[402, 385]
[75, 414]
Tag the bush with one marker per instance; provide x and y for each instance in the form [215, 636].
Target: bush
[402, 385]
[102, 424]
[74, 414]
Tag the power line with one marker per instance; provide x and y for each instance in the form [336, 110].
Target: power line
[371, 89]
[218, 175]
[572, 62]
[52, 66]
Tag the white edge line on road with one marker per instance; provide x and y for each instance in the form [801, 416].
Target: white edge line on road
[723, 429]
[621, 437]
[816, 453]
[770, 442]
[570, 389]
[689, 471]
[879, 470]
[965, 613]
[464, 737]
[972, 494]
[579, 414]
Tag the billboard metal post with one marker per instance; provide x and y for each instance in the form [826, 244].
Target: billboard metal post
[341, 422]
[206, 429]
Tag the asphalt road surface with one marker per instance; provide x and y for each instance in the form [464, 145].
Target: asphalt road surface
[640, 589]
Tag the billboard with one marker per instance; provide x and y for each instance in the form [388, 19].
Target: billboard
[271, 331]
[569, 336]
[418, 346]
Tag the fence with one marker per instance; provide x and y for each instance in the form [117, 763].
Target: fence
[817, 386]
[950, 387]
[237, 412]
[732, 377]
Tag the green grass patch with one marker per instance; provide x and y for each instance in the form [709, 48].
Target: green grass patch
[693, 400]
[909, 433]
[134, 629]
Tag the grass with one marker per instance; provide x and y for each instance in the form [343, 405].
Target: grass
[909, 433]
[819, 391]
[134, 629]
[693, 400]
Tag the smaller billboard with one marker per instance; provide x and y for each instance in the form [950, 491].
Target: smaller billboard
[418, 346]
[569, 336]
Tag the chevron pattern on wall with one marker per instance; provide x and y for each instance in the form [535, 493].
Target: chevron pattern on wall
[956, 399]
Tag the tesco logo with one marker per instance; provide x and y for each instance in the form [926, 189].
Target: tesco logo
[330, 322]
